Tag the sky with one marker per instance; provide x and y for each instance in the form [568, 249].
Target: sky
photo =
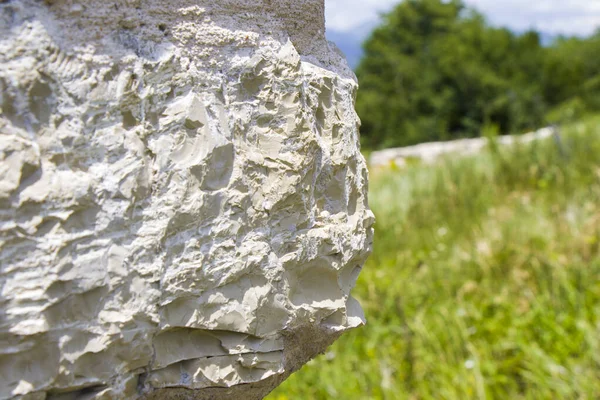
[554, 17]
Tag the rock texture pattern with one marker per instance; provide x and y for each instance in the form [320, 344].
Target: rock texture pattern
[183, 206]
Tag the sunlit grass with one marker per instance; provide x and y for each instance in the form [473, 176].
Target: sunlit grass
[484, 282]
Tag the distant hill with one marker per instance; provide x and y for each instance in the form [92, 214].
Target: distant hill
[547, 38]
[351, 42]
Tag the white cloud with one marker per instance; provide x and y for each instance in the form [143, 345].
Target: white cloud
[345, 15]
[571, 17]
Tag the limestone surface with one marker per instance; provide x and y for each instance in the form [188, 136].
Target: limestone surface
[183, 202]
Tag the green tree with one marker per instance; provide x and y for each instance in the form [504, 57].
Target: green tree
[435, 70]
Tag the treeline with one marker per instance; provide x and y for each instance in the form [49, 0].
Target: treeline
[435, 70]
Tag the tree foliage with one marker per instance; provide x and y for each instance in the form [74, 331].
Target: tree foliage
[435, 70]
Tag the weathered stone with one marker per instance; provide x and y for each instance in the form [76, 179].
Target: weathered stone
[183, 208]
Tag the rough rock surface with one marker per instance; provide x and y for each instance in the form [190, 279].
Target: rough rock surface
[183, 205]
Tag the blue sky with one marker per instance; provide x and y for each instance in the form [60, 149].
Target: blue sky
[569, 17]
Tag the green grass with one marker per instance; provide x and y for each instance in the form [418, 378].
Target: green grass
[484, 282]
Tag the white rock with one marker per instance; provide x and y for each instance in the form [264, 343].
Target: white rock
[431, 152]
[183, 205]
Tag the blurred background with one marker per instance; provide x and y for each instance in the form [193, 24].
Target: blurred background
[485, 277]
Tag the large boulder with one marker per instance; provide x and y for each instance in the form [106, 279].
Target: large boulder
[183, 202]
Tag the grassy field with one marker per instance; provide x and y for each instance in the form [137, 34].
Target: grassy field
[484, 282]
